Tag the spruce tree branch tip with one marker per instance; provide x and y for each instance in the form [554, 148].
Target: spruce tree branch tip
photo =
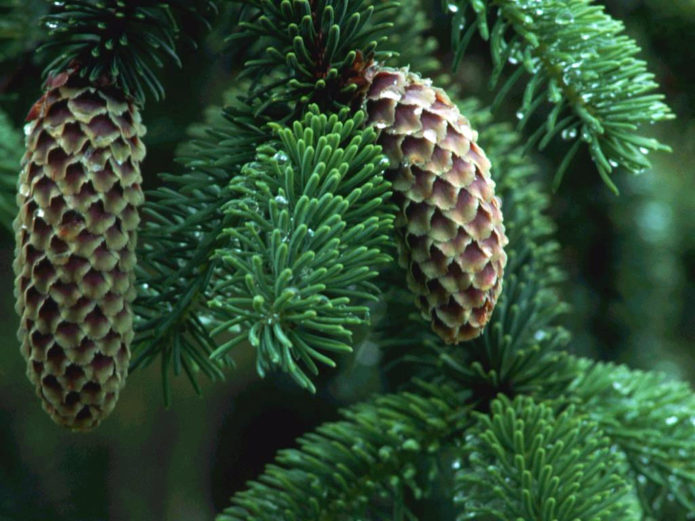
[580, 60]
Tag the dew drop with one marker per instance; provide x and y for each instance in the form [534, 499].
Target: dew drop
[280, 199]
[620, 387]
[280, 157]
[564, 17]
[453, 8]
[568, 134]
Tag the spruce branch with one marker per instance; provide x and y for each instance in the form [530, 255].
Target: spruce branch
[123, 40]
[315, 49]
[652, 419]
[18, 30]
[10, 148]
[343, 468]
[580, 60]
[528, 463]
[310, 228]
[408, 39]
[178, 242]
[10, 19]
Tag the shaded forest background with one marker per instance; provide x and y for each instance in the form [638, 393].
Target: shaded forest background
[630, 262]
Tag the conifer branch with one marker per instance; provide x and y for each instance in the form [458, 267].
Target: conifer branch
[10, 148]
[408, 39]
[652, 419]
[339, 469]
[18, 30]
[310, 227]
[315, 50]
[186, 218]
[527, 463]
[332, 212]
[9, 23]
[122, 40]
[581, 61]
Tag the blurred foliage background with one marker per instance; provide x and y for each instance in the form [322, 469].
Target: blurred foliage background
[630, 261]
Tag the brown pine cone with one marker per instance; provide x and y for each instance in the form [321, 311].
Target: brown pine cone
[452, 235]
[79, 193]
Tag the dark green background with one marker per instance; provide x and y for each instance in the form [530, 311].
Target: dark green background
[630, 262]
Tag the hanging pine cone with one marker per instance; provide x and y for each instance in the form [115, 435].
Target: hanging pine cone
[79, 192]
[450, 220]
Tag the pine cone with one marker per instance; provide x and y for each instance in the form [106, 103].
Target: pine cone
[452, 236]
[79, 193]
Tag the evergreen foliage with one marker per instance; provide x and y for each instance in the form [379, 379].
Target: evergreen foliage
[186, 218]
[569, 468]
[310, 227]
[409, 41]
[18, 30]
[277, 232]
[519, 350]
[305, 51]
[122, 40]
[616, 442]
[361, 467]
[652, 420]
[524, 462]
[10, 150]
[316, 170]
[579, 60]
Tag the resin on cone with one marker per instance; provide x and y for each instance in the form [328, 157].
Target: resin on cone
[450, 222]
[78, 198]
